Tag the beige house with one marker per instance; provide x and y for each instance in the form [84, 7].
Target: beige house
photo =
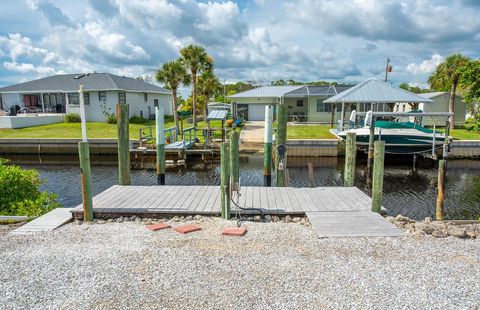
[439, 104]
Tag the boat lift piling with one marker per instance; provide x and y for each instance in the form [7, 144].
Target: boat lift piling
[160, 144]
[267, 148]
[378, 168]
[350, 155]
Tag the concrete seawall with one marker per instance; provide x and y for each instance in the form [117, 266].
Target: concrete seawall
[296, 148]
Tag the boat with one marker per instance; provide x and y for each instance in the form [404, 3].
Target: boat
[400, 137]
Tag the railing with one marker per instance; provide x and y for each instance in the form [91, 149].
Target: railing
[190, 134]
[146, 134]
[171, 134]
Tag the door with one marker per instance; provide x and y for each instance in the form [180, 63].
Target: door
[256, 112]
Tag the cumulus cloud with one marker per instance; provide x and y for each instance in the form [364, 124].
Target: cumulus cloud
[426, 66]
[53, 14]
[406, 21]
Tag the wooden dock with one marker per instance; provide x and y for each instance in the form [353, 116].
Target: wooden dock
[333, 207]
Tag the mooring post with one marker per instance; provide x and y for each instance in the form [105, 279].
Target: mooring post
[281, 147]
[439, 211]
[160, 143]
[350, 156]
[371, 139]
[378, 166]
[84, 156]
[311, 174]
[267, 146]
[234, 161]
[225, 180]
[123, 144]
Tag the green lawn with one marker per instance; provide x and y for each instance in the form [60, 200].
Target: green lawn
[463, 134]
[94, 130]
[309, 132]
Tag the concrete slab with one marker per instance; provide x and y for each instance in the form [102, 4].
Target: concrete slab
[48, 222]
[351, 224]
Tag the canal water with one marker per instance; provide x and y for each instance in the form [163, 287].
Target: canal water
[407, 192]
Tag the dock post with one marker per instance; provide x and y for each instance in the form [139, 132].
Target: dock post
[84, 154]
[378, 166]
[225, 181]
[123, 145]
[234, 161]
[350, 156]
[280, 141]
[160, 144]
[371, 139]
[84, 158]
[267, 146]
[439, 211]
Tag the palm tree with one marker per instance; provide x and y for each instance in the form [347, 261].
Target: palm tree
[196, 59]
[173, 74]
[208, 84]
[446, 76]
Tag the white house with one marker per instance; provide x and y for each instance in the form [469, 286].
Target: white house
[102, 91]
[440, 104]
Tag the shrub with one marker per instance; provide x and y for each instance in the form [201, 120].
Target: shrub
[21, 194]
[72, 118]
[138, 119]
[473, 123]
[111, 118]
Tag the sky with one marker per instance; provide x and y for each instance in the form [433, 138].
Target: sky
[251, 40]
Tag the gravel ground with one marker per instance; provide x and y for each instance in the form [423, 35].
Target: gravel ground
[275, 266]
[5, 229]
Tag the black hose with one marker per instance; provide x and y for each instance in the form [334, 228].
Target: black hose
[241, 219]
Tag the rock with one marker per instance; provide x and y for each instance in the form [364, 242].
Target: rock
[110, 221]
[428, 220]
[267, 218]
[296, 220]
[176, 219]
[257, 218]
[100, 222]
[428, 229]
[308, 224]
[133, 218]
[78, 222]
[440, 233]
[391, 219]
[119, 220]
[138, 220]
[401, 218]
[250, 218]
[417, 234]
[287, 219]
[189, 218]
[458, 232]
[410, 227]
[197, 217]
[276, 218]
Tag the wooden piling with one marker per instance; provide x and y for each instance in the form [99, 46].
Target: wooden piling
[371, 139]
[439, 210]
[378, 166]
[84, 154]
[234, 161]
[311, 174]
[123, 144]
[225, 181]
[281, 140]
[350, 156]
[160, 144]
[267, 146]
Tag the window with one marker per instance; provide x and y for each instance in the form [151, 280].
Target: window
[300, 103]
[145, 97]
[121, 97]
[102, 96]
[320, 106]
[73, 98]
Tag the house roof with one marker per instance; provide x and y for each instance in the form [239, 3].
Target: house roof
[91, 82]
[375, 91]
[310, 90]
[432, 94]
[266, 92]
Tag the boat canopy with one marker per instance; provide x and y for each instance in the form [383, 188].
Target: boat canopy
[375, 91]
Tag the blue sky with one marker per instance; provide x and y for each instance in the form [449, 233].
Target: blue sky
[254, 40]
